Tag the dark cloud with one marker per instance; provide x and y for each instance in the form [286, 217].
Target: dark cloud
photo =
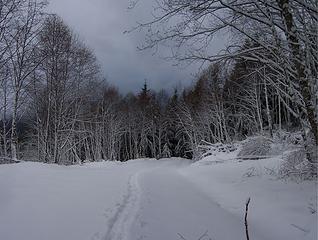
[101, 23]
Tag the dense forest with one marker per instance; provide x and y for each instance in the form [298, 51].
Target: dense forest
[56, 106]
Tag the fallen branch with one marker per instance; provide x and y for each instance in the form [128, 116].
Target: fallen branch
[246, 213]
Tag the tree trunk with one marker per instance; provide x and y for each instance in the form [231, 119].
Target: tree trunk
[14, 129]
[4, 123]
[294, 44]
[258, 109]
[269, 118]
[279, 114]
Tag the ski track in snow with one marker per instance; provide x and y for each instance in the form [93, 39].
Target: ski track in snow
[141, 203]
[119, 225]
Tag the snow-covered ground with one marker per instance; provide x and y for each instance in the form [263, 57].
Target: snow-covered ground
[155, 200]
[278, 209]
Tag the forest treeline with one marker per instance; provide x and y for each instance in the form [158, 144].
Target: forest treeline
[56, 107]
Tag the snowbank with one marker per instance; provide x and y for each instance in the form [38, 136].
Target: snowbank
[278, 209]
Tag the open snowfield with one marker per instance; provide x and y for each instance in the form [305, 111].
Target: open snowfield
[155, 200]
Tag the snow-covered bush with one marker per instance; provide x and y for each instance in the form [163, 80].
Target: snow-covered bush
[256, 147]
[289, 138]
[209, 149]
[6, 160]
[296, 166]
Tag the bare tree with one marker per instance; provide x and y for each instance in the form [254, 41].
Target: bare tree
[285, 29]
[21, 42]
[8, 11]
[60, 93]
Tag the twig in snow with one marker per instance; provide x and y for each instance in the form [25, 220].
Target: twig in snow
[300, 228]
[181, 236]
[200, 238]
[246, 224]
[205, 235]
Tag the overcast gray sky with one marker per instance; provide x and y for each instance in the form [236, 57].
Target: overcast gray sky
[101, 23]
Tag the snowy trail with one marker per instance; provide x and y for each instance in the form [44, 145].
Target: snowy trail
[118, 227]
[172, 208]
[150, 200]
